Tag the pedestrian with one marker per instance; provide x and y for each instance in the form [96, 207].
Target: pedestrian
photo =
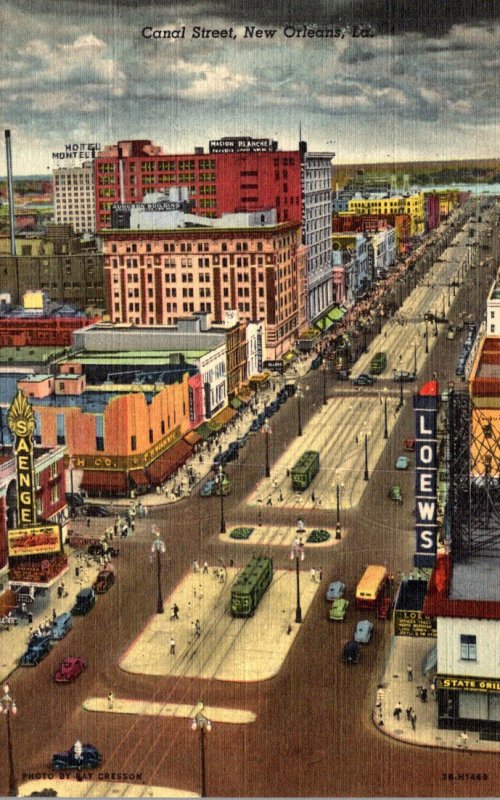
[77, 572]
[172, 646]
[313, 497]
[54, 615]
[423, 695]
[463, 740]
[313, 574]
[111, 700]
[88, 522]
[175, 612]
[319, 574]
[433, 690]
[289, 629]
[287, 473]
[196, 566]
[24, 608]
[197, 627]
[357, 440]
[30, 618]
[413, 720]
[408, 709]
[269, 501]
[398, 708]
[280, 498]
[409, 672]
[205, 568]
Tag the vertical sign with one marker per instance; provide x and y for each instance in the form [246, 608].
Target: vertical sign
[21, 420]
[425, 404]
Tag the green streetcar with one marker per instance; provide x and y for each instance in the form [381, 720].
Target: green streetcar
[304, 470]
[250, 586]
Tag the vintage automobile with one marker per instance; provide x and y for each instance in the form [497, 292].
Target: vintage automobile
[104, 581]
[395, 493]
[71, 668]
[364, 380]
[61, 625]
[38, 648]
[80, 756]
[402, 376]
[363, 632]
[351, 653]
[339, 609]
[335, 590]
[402, 462]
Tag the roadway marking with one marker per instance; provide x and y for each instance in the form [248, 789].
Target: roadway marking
[121, 705]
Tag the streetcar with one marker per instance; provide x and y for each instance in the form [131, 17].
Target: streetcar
[250, 585]
[305, 470]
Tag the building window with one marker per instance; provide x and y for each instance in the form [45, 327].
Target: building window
[468, 651]
[61, 432]
[54, 493]
[99, 433]
[53, 470]
[133, 442]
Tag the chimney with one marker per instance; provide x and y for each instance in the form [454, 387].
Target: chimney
[11, 194]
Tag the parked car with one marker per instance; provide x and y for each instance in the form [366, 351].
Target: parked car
[351, 653]
[395, 494]
[335, 590]
[343, 374]
[316, 362]
[232, 451]
[80, 756]
[104, 581]
[38, 648]
[71, 668]
[256, 425]
[282, 396]
[85, 600]
[208, 489]
[402, 376]
[91, 510]
[242, 440]
[402, 462]
[364, 380]
[409, 445]
[102, 549]
[75, 499]
[220, 458]
[363, 632]
[61, 626]
[339, 609]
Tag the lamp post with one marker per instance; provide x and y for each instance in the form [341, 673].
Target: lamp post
[300, 396]
[338, 487]
[202, 724]
[297, 553]
[9, 707]
[158, 547]
[366, 476]
[435, 322]
[220, 482]
[400, 391]
[386, 431]
[266, 430]
[324, 371]
[426, 337]
[415, 358]
[71, 467]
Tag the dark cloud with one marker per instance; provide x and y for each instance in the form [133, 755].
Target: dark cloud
[386, 16]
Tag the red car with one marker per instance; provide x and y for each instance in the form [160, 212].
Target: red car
[71, 668]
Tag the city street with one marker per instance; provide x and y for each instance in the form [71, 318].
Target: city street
[310, 732]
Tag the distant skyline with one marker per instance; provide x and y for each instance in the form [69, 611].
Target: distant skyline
[422, 87]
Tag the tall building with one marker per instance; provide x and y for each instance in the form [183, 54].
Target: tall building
[153, 277]
[236, 175]
[67, 267]
[317, 229]
[74, 197]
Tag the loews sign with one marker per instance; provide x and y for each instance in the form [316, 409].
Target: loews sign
[414, 623]
[425, 404]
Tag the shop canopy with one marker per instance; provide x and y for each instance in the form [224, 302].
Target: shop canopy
[330, 318]
[103, 481]
[192, 438]
[168, 462]
[138, 477]
[235, 403]
[224, 416]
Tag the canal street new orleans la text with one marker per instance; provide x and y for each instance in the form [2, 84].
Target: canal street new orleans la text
[291, 32]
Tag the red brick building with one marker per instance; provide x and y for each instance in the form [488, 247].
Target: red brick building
[358, 223]
[218, 182]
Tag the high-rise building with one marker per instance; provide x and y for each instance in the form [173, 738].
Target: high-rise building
[74, 197]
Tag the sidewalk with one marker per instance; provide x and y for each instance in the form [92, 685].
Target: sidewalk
[396, 688]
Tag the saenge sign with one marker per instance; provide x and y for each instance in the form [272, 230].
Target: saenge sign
[425, 404]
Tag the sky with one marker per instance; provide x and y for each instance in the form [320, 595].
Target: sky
[424, 85]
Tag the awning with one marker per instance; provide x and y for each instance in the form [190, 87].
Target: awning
[205, 431]
[235, 403]
[104, 481]
[168, 462]
[138, 477]
[192, 438]
[330, 318]
[290, 356]
[429, 663]
[223, 416]
[245, 395]
[260, 379]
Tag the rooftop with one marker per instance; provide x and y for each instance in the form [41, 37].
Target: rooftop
[30, 355]
[478, 579]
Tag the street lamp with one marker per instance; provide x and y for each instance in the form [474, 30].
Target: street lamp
[415, 358]
[158, 547]
[324, 371]
[386, 431]
[297, 553]
[299, 394]
[9, 707]
[219, 478]
[435, 322]
[426, 337]
[338, 487]
[201, 723]
[266, 430]
[366, 476]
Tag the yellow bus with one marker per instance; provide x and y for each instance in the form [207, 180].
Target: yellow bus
[373, 587]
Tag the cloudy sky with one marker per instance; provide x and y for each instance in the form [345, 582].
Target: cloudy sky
[424, 85]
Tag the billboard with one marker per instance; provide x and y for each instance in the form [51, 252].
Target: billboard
[425, 404]
[21, 421]
[36, 541]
